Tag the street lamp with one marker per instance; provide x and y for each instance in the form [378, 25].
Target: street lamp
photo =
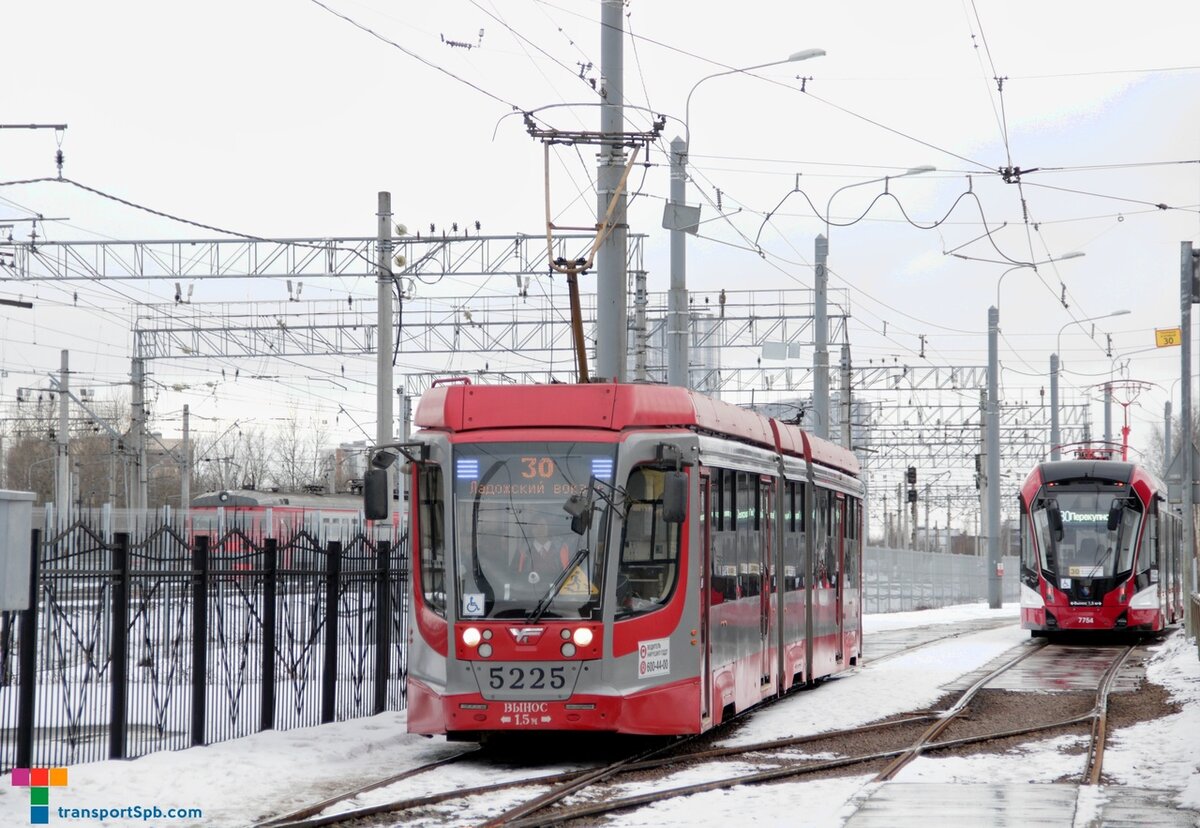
[29, 471]
[1055, 370]
[673, 220]
[992, 417]
[820, 309]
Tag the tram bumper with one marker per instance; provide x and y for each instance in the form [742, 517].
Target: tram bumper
[665, 710]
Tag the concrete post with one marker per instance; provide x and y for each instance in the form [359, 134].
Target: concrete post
[62, 468]
[1108, 402]
[383, 356]
[1187, 269]
[677, 310]
[821, 346]
[993, 460]
[185, 468]
[1055, 433]
[610, 290]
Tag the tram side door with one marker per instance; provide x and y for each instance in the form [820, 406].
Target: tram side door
[839, 562]
[706, 568]
[764, 509]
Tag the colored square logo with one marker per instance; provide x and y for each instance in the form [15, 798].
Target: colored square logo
[39, 781]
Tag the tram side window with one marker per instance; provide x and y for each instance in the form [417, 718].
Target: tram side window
[821, 530]
[836, 535]
[724, 541]
[648, 568]
[1029, 561]
[793, 572]
[1153, 530]
[749, 566]
[433, 548]
[716, 498]
[853, 548]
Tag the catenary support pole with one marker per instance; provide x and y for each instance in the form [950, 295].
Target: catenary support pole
[821, 346]
[185, 468]
[62, 477]
[1187, 269]
[137, 430]
[383, 356]
[1108, 403]
[993, 461]
[1055, 434]
[610, 291]
[677, 311]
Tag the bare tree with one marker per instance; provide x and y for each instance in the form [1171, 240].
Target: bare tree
[299, 451]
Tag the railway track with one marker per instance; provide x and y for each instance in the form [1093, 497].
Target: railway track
[599, 783]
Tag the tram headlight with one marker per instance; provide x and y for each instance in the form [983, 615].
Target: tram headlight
[472, 636]
[568, 649]
[582, 637]
[485, 650]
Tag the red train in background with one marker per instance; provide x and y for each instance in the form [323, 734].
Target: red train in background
[627, 558]
[1100, 548]
[273, 514]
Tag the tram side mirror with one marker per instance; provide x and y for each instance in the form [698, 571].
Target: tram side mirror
[675, 487]
[580, 511]
[1055, 517]
[376, 497]
[1114, 515]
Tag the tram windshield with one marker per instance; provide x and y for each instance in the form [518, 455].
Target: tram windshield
[516, 553]
[1074, 534]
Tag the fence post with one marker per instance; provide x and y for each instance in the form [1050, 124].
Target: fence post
[119, 662]
[200, 579]
[270, 581]
[383, 622]
[333, 574]
[27, 663]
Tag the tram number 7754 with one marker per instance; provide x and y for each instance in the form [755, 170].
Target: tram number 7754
[531, 678]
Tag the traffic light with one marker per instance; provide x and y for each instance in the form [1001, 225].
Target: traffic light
[911, 476]
[912, 495]
[1195, 275]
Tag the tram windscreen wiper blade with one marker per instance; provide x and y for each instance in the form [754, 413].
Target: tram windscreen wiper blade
[543, 604]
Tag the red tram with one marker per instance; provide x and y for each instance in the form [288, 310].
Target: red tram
[1100, 549]
[636, 559]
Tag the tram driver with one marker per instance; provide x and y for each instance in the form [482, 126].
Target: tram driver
[546, 558]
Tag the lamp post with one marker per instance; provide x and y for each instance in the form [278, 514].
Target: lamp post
[820, 310]
[677, 314]
[992, 418]
[1055, 370]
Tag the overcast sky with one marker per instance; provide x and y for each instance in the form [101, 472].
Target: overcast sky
[279, 119]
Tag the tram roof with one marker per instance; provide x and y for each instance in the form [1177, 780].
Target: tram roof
[614, 407]
[1062, 470]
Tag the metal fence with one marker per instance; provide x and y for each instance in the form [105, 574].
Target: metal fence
[900, 580]
[158, 639]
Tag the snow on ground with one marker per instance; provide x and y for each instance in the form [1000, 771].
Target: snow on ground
[237, 783]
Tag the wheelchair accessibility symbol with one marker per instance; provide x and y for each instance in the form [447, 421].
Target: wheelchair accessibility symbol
[473, 603]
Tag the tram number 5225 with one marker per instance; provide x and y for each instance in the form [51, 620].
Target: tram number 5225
[527, 678]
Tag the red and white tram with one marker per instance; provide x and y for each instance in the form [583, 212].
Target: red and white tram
[637, 559]
[1100, 548]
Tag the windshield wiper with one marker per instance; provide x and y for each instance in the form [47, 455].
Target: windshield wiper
[544, 603]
